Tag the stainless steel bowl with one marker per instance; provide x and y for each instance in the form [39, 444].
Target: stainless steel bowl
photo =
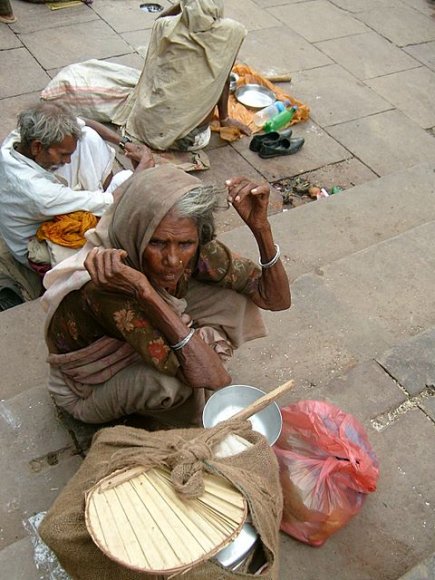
[255, 96]
[235, 553]
[226, 402]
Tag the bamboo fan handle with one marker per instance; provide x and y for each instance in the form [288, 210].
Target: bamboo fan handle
[263, 402]
[283, 78]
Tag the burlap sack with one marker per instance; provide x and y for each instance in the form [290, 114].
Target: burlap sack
[188, 453]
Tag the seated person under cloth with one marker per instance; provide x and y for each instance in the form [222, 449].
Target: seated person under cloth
[185, 76]
[54, 164]
[145, 316]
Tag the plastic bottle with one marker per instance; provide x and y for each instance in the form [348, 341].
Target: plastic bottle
[280, 120]
[269, 112]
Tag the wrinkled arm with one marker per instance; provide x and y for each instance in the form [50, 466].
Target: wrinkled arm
[273, 291]
[200, 365]
[251, 200]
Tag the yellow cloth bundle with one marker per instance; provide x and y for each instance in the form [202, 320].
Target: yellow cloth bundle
[68, 229]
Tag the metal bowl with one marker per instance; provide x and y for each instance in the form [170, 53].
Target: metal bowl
[228, 401]
[255, 96]
[235, 553]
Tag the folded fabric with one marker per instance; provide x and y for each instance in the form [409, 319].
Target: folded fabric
[68, 229]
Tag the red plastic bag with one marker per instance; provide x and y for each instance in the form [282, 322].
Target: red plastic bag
[327, 467]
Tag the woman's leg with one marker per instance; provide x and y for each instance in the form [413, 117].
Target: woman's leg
[225, 310]
[136, 389]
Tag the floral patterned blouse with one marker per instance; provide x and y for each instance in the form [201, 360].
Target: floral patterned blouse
[87, 314]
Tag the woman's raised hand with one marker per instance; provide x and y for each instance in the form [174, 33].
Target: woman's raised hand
[108, 272]
[250, 200]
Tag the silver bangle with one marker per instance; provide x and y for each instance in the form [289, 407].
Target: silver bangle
[273, 261]
[183, 341]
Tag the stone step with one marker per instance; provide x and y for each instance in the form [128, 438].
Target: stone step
[37, 457]
[17, 561]
[23, 352]
[321, 232]
[344, 312]
[310, 236]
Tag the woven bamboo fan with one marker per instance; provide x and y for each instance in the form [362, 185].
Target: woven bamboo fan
[137, 519]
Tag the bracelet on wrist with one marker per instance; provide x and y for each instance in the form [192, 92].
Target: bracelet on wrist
[182, 343]
[273, 261]
[123, 142]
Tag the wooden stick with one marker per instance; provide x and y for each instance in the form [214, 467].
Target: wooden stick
[283, 78]
[263, 402]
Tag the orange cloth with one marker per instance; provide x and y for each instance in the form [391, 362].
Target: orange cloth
[67, 230]
[245, 115]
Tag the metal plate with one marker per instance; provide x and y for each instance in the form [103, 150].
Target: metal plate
[226, 402]
[255, 96]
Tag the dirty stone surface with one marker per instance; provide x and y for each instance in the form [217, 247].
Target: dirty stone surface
[412, 362]
[360, 332]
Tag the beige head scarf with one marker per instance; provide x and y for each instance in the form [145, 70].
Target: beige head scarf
[141, 203]
[146, 199]
[188, 62]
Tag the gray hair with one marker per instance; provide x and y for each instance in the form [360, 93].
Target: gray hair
[199, 204]
[47, 123]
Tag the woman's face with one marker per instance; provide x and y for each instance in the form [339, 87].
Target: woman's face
[172, 246]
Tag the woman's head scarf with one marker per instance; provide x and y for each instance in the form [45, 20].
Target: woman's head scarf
[200, 16]
[144, 201]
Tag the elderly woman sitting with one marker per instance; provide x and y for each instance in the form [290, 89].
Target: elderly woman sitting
[146, 315]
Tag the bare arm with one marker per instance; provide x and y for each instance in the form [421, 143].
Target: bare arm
[140, 155]
[250, 201]
[200, 365]
[103, 131]
[222, 106]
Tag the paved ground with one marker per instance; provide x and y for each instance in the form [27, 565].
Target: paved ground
[361, 331]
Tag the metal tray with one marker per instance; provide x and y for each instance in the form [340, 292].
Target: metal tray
[255, 96]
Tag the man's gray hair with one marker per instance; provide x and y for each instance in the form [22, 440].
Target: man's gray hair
[48, 123]
[199, 204]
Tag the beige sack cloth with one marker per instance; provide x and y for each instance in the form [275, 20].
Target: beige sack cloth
[95, 89]
[188, 62]
[188, 453]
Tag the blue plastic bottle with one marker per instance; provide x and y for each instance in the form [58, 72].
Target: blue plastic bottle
[280, 120]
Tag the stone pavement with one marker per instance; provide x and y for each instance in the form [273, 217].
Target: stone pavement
[361, 331]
